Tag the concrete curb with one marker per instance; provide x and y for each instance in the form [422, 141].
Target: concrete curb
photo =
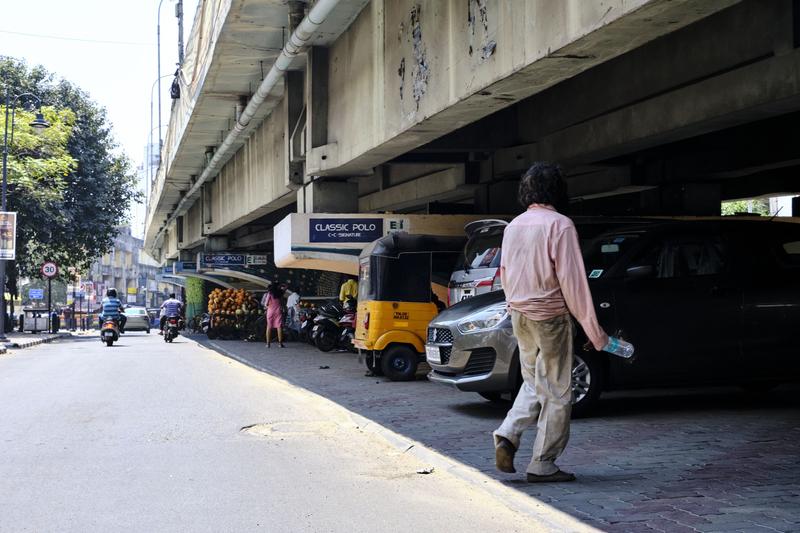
[35, 342]
[551, 519]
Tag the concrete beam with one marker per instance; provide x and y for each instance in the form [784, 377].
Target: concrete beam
[756, 91]
[444, 185]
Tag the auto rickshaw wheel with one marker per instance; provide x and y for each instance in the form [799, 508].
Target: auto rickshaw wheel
[399, 363]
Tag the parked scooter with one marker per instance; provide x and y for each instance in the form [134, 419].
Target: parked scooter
[109, 331]
[335, 326]
[171, 327]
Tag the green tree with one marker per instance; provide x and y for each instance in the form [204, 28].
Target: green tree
[70, 203]
[758, 206]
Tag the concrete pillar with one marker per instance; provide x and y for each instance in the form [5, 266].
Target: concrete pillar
[216, 243]
[317, 97]
[293, 101]
[328, 197]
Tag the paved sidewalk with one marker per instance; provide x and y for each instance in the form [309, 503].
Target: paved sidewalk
[716, 460]
[18, 341]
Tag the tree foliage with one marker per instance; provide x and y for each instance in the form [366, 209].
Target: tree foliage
[72, 187]
[759, 206]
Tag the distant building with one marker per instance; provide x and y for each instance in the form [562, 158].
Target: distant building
[136, 276]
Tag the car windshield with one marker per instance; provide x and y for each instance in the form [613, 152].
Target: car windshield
[483, 250]
[134, 311]
[604, 253]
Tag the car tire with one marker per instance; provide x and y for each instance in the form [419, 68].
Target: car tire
[147, 331]
[399, 363]
[588, 380]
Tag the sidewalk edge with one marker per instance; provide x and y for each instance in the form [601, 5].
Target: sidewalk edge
[21, 346]
[550, 517]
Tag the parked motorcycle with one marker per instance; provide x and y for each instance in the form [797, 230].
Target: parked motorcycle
[109, 331]
[306, 318]
[171, 327]
[335, 326]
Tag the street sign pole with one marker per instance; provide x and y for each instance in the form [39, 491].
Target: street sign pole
[50, 305]
[49, 270]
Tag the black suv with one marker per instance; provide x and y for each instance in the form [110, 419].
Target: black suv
[703, 301]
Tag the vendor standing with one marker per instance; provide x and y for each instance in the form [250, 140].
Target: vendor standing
[544, 280]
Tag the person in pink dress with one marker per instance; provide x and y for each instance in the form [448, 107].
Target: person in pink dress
[273, 303]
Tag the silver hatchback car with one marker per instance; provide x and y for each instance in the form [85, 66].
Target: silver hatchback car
[471, 346]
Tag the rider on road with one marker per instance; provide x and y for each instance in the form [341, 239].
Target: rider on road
[171, 307]
[111, 308]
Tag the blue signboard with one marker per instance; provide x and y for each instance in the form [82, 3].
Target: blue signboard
[222, 260]
[181, 266]
[36, 294]
[344, 229]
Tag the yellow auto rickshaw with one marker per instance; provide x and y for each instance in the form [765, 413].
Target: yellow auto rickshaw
[399, 276]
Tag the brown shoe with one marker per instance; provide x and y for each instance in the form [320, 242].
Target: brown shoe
[504, 455]
[558, 476]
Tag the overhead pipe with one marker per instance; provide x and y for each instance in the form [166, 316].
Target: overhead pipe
[293, 47]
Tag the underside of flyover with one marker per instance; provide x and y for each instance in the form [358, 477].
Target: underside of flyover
[674, 125]
[703, 115]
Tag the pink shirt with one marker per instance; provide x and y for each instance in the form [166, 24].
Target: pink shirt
[542, 270]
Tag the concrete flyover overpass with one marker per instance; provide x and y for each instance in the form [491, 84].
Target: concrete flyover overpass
[423, 107]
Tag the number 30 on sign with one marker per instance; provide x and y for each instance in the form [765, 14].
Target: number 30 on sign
[49, 269]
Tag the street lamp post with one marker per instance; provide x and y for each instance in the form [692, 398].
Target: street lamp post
[38, 124]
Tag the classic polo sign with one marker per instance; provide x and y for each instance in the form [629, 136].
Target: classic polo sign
[344, 229]
[49, 269]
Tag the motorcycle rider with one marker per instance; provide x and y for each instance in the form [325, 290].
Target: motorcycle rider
[171, 307]
[111, 308]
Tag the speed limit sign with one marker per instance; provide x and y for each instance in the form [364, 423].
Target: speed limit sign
[49, 269]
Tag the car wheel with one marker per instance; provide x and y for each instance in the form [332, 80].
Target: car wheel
[588, 377]
[494, 397]
[147, 331]
[399, 363]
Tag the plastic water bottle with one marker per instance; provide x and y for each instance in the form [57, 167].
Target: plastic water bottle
[619, 347]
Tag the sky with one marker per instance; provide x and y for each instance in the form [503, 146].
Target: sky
[107, 48]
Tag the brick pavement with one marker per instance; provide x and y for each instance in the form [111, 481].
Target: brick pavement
[716, 460]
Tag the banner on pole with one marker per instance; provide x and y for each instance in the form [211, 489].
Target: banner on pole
[8, 235]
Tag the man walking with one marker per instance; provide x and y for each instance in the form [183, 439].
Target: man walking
[544, 280]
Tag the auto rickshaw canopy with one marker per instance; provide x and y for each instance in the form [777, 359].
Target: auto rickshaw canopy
[401, 267]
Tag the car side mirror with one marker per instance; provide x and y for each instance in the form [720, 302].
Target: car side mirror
[640, 272]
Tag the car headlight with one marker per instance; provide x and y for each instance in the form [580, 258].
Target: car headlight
[490, 318]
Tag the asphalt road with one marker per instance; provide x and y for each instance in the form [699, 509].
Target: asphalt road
[146, 436]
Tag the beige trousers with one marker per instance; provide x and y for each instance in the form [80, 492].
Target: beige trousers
[545, 356]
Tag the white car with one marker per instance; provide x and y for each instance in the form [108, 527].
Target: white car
[137, 319]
